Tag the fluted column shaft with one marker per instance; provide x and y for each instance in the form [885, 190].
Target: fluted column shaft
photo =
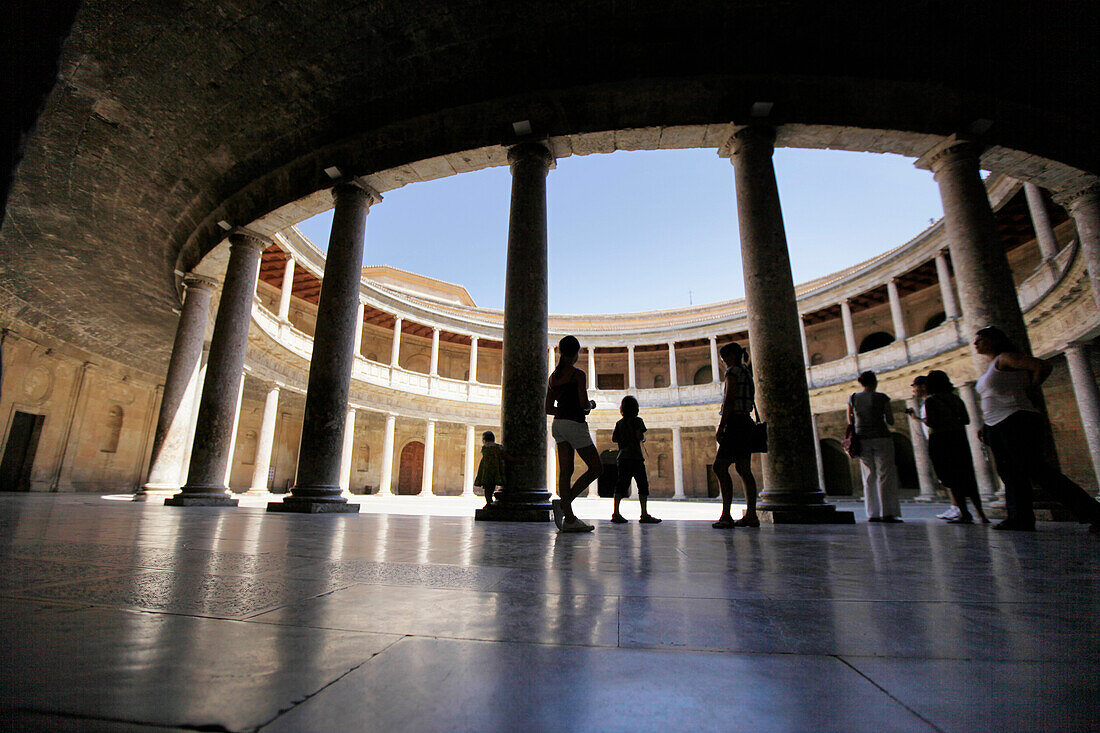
[523, 419]
[791, 487]
[1088, 399]
[180, 384]
[210, 451]
[266, 439]
[317, 484]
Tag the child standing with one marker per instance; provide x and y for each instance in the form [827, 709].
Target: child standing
[629, 435]
[490, 472]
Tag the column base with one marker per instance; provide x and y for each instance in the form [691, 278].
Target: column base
[532, 505]
[200, 500]
[312, 506]
[820, 514]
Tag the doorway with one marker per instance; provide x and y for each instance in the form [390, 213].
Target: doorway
[15, 468]
[410, 474]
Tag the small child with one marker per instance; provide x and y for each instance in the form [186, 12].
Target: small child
[629, 435]
[490, 472]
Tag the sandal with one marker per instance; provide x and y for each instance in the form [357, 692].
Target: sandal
[647, 519]
[559, 515]
[746, 522]
[618, 519]
[576, 526]
[724, 524]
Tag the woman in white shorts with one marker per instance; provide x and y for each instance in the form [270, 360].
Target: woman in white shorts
[567, 401]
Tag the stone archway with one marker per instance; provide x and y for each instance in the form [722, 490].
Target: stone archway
[410, 472]
[876, 340]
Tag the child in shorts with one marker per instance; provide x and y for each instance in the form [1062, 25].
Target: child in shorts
[490, 472]
[629, 435]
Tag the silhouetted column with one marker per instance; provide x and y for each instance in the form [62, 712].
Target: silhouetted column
[385, 482]
[849, 328]
[473, 359]
[395, 350]
[677, 464]
[715, 374]
[631, 369]
[265, 442]
[469, 469]
[983, 470]
[347, 451]
[287, 291]
[896, 313]
[947, 291]
[1088, 399]
[1084, 207]
[1040, 221]
[926, 476]
[433, 364]
[523, 418]
[673, 380]
[180, 386]
[317, 484]
[791, 489]
[212, 446]
[429, 460]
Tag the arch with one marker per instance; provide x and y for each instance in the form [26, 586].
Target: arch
[876, 340]
[703, 375]
[417, 363]
[935, 321]
[906, 462]
[659, 381]
[410, 470]
[838, 468]
[113, 427]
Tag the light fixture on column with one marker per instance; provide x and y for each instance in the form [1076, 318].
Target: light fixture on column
[225, 225]
[521, 128]
[760, 110]
[333, 172]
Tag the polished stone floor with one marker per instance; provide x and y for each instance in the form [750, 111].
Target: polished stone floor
[125, 617]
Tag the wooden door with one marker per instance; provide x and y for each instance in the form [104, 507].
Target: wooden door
[15, 468]
[411, 471]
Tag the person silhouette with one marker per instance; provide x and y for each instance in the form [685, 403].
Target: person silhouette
[567, 400]
[734, 436]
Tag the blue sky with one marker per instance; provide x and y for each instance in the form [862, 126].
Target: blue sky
[636, 231]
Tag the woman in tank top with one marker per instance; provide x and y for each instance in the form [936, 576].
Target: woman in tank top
[870, 415]
[1016, 432]
[567, 400]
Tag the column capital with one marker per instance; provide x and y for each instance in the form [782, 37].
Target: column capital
[531, 151]
[949, 150]
[746, 136]
[353, 188]
[1087, 194]
[241, 237]
[193, 281]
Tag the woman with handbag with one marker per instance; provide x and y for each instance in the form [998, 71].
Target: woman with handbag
[869, 418]
[735, 437]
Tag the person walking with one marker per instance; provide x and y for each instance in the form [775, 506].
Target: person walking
[734, 437]
[870, 414]
[1014, 429]
[947, 418]
[567, 400]
[629, 435]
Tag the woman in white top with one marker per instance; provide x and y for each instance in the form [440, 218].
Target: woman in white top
[1014, 429]
[869, 411]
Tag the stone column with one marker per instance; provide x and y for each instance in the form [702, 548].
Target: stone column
[210, 451]
[926, 476]
[818, 458]
[385, 482]
[791, 489]
[947, 291]
[200, 382]
[631, 371]
[896, 313]
[233, 432]
[591, 368]
[395, 350]
[433, 366]
[265, 442]
[805, 342]
[983, 471]
[317, 483]
[523, 419]
[677, 464]
[287, 291]
[986, 288]
[473, 359]
[347, 450]
[672, 378]
[1088, 399]
[1084, 207]
[469, 469]
[849, 328]
[1040, 221]
[181, 383]
[359, 328]
[429, 460]
[715, 374]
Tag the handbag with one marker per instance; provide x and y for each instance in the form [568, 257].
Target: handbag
[759, 441]
[851, 441]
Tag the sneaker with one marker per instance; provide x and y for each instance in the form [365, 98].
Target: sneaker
[576, 526]
[648, 519]
[559, 515]
[951, 513]
[618, 519]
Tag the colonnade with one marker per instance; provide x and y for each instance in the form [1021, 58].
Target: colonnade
[791, 487]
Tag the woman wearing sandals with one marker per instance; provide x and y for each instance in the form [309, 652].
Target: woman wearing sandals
[734, 437]
[567, 400]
